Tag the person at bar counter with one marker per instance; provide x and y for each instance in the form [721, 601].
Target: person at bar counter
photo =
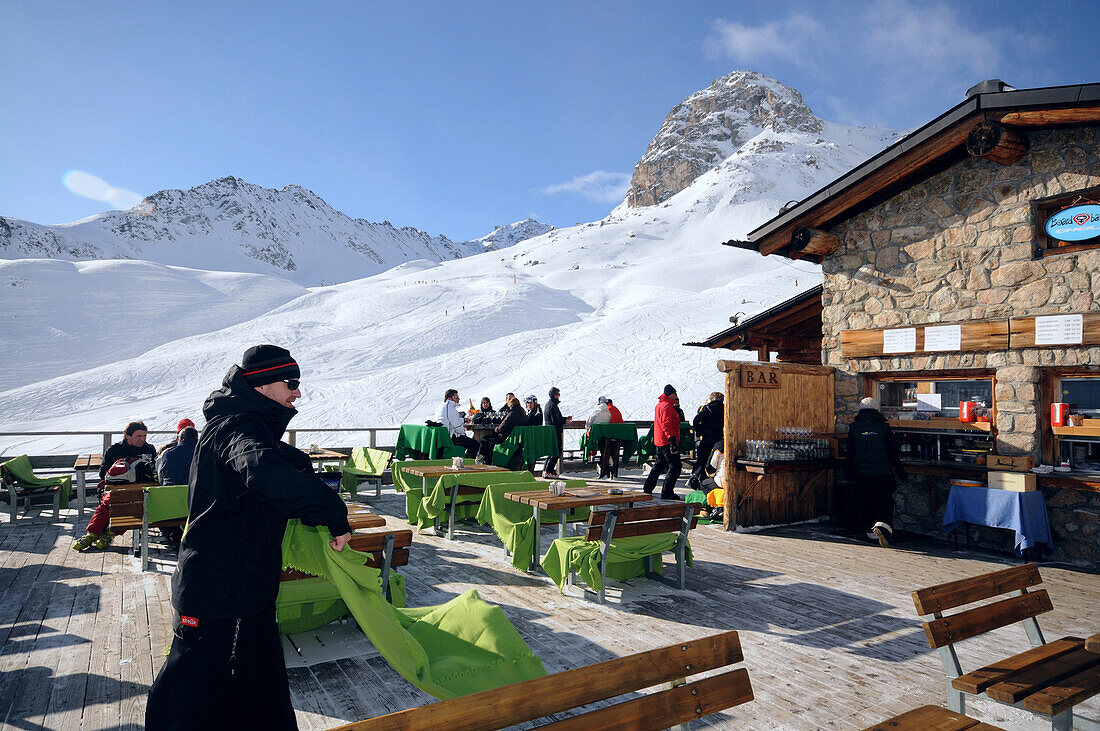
[132, 447]
[534, 411]
[873, 463]
[707, 426]
[551, 416]
[225, 668]
[449, 416]
[516, 416]
[666, 440]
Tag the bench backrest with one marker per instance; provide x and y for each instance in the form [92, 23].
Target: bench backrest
[934, 600]
[370, 460]
[644, 521]
[127, 502]
[551, 694]
[373, 545]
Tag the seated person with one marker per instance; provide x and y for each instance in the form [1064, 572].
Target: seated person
[485, 412]
[609, 448]
[183, 424]
[449, 416]
[132, 446]
[515, 417]
[174, 468]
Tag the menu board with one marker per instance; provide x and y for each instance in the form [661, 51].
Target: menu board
[1059, 330]
[942, 337]
[901, 340]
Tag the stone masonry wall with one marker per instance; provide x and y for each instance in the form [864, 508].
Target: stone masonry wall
[957, 247]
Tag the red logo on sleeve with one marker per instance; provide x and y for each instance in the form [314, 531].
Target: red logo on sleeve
[189, 621]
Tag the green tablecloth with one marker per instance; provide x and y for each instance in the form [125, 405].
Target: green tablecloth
[647, 450]
[514, 523]
[625, 559]
[434, 441]
[412, 485]
[626, 433]
[306, 604]
[20, 468]
[460, 647]
[166, 502]
[466, 506]
[532, 441]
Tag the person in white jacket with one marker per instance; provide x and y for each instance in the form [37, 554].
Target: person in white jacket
[449, 416]
[609, 458]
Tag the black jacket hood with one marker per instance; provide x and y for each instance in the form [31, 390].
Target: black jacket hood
[236, 396]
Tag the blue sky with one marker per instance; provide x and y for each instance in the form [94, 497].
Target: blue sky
[455, 117]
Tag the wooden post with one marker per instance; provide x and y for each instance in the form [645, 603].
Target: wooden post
[993, 141]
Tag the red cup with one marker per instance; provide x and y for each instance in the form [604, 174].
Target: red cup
[1058, 414]
[967, 410]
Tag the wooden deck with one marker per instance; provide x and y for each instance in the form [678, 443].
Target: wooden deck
[827, 625]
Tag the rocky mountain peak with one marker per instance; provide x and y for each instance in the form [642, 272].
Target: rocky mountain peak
[709, 126]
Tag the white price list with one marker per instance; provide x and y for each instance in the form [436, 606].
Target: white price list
[902, 340]
[1059, 329]
[943, 337]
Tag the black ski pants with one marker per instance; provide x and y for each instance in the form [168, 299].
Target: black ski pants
[667, 462]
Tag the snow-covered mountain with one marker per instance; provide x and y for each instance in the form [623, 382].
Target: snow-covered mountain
[601, 308]
[233, 225]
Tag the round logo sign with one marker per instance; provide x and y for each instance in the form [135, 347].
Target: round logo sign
[1077, 223]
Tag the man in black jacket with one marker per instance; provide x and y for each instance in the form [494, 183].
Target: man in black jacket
[707, 425]
[516, 416]
[132, 446]
[873, 462]
[225, 668]
[551, 416]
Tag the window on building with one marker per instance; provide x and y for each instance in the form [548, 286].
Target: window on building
[897, 396]
[1044, 208]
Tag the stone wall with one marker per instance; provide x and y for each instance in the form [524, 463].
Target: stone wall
[957, 247]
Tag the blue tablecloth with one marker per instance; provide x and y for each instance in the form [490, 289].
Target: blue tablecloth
[1023, 512]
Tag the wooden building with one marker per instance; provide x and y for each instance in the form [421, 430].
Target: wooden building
[942, 285]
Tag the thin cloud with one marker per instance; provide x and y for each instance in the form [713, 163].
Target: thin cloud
[599, 186]
[784, 39]
[91, 186]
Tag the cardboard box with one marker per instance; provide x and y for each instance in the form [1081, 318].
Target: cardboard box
[1014, 481]
[1011, 464]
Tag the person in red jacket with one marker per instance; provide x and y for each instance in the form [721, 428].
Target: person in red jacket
[666, 439]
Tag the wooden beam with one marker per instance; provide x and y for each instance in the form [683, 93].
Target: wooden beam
[993, 141]
[807, 240]
[1046, 117]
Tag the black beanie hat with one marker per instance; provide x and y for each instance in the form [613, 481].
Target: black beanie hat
[669, 390]
[268, 363]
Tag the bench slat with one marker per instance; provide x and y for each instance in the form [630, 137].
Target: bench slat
[1067, 693]
[643, 528]
[368, 542]
[668, 707]
[977, 681]
[927, 718]
[974, 622]
[646, 512]
[975, 588]
[400, 558]
[530, 699]
[1037, 677]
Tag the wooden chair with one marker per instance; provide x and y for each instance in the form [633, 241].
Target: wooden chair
[678, 702]
[386, 550]
[1049, 679]
[607, 525]
[129, 512]
[38, 495]
[368, 465]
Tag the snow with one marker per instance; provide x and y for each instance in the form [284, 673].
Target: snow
[597, 309]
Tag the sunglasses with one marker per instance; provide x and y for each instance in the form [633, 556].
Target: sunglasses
[293, 384]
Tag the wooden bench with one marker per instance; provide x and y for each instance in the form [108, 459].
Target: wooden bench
[385, 550]
[678, 702]
[128, 513]
[1049, 679]
[931, 717]
[607, 525]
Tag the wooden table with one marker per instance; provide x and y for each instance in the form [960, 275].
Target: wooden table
[1092, 644]
[932, 717]
[434, 473]
[578, 497]
[84, 463]
[323, 455]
